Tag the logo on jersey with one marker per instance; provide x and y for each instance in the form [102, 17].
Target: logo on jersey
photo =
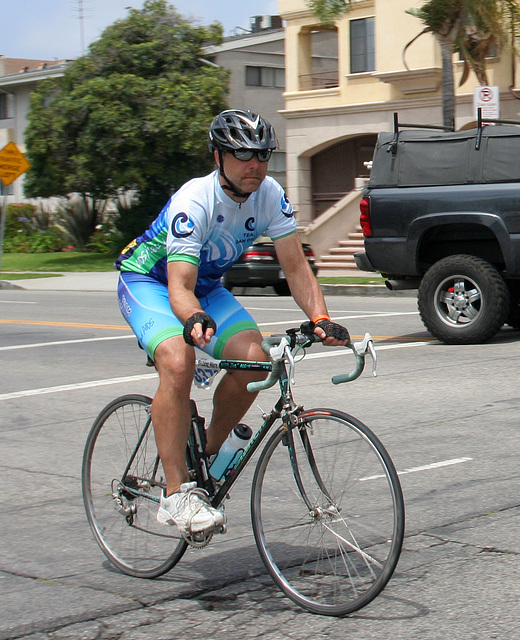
[287, 209]
[250, 224]
[182, 226]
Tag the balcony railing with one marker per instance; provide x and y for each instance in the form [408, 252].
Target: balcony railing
[322, 80]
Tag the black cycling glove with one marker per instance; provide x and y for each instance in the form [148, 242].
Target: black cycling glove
[332, 329]
[204, 319]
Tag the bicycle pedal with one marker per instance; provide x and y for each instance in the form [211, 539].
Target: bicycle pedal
[197, 540]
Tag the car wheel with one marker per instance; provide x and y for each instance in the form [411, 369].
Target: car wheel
[282, 289]
[463, 300]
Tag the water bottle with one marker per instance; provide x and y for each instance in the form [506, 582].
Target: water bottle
[230, 451]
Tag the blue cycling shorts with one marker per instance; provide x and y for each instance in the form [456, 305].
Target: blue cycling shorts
[145, 306]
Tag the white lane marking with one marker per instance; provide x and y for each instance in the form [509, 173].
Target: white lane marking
[383, 347]
[16, 302]
[424, 467]
[336, 318]
[60, 342]
[74, 387]
[109, 381]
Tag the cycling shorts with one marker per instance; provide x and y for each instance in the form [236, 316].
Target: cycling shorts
[145, 305]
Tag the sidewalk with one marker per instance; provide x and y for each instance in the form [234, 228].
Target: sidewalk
[70, 281]
[107, 281]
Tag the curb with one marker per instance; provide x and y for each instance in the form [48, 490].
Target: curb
[328, 289]
[362, 290]
[4, 284]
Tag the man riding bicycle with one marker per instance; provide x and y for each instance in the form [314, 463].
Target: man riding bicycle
[170, 293]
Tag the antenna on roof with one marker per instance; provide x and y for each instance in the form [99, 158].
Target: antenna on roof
[80, 11]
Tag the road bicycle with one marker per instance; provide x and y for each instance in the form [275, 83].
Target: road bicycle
[326, 504]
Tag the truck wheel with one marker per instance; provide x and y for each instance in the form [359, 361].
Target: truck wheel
[463, 300]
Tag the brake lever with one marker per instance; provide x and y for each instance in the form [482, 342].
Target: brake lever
[277, 353]
[366, 347]
[292, 366]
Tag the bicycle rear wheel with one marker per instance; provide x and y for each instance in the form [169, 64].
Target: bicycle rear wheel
[328, 512]
[122, 479]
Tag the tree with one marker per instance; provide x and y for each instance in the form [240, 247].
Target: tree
[328, 11]
[131, 115]
[471, 27]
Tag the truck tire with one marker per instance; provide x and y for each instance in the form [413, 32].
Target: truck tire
[463, 300]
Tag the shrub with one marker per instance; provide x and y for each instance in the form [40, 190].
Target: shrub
[78, 216]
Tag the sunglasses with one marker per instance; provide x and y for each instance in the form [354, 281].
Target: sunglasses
[245, 155]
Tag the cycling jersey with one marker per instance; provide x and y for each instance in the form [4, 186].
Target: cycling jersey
[202, 225]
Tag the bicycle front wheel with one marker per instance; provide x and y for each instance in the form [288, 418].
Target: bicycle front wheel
[122, 479]
[328, 512]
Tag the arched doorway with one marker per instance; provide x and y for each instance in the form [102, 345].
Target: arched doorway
[335, 169]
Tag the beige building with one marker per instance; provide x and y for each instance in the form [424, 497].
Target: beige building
[256, 62]
[18, 78]
[333, 115]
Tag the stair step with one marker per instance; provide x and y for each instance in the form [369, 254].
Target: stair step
[339, 257]
[331, 266]
[342, 255]
[357, 240]
[350, 250]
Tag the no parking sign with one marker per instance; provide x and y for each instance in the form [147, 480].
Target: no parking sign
[487, 99]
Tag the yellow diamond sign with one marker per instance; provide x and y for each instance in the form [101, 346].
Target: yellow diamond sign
[12, 164]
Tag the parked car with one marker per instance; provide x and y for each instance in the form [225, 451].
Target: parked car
[259, 267]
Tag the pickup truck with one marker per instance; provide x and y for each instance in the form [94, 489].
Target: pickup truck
[441, 214]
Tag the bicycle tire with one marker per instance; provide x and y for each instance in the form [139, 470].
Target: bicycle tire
[328, 521]
[124, 525]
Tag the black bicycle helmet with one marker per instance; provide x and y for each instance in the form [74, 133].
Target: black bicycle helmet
[240, 129]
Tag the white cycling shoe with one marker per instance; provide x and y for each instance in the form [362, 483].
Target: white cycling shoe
[190, 510]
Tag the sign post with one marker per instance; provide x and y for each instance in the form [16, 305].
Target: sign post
[12, 165]
[487, 99]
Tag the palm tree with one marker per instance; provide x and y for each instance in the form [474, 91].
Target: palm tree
[328, 11]
[471, 27]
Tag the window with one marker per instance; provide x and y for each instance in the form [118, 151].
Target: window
[277, 162]
[6, 106]
[362, 45]
[265, 77]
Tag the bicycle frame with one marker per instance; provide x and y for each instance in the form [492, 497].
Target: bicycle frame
[285, 408]
[282, 407]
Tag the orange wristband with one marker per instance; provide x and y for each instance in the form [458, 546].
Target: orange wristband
[319, 318]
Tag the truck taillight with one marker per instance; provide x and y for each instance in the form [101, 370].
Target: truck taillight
[364, 218]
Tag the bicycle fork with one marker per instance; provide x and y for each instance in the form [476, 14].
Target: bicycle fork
[316, 511]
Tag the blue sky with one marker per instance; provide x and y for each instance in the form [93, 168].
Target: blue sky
[51, 29]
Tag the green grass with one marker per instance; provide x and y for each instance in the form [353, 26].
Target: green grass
[72, 261]
[64, 261]
[6, 275]
[351, 280]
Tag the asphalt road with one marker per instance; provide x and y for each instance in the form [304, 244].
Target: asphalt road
[447, 414]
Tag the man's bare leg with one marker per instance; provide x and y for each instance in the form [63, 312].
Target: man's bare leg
[171, 412]
[231, 399]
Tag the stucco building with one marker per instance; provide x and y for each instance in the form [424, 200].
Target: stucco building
[333, 117]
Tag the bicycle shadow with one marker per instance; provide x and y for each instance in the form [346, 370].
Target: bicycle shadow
[234, 579]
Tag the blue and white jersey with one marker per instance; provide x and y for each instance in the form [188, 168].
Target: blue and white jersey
[201, 224]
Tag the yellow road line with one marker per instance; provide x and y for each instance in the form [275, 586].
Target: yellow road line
[121, 327]
[81, 325]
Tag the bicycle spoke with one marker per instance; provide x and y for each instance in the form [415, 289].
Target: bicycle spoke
[335, 557]
[122, 480]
